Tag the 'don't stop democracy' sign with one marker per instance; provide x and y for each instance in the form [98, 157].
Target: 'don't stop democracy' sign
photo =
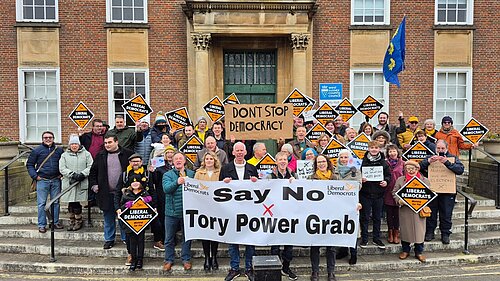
[259, 121]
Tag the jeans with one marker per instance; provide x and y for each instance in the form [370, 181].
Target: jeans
[373, 206]
[419, 247]
[234, 253]
[330, 258]
[110, 224]
[172, 225]
[443, 204]
[44, 188]
[286, 255]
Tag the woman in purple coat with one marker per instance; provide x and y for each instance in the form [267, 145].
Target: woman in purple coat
[393, 157]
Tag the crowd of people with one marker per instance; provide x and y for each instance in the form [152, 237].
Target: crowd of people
[110, 168]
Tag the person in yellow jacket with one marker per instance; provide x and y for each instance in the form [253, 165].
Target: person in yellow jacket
[405, 137]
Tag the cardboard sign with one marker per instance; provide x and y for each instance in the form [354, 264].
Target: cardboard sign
[474, 131]
[305, 169]
[316, 131]
[137, 108]
[265, 166]
[332, 150]
[416, 194]
[325, 113]
[214, 109]
[178, 118]
[346, 109]
[81, 115]
[442, 179]
[259, 121]
[300, 101]
[359, 145]
[138, 216]
[231, 99]
[370, 106]
[417, 152]
[373, 173]
[191, 148]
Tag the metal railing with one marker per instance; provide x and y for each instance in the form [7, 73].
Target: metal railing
[497, 200]
[468, 213]
[49, 209]
[6, 170]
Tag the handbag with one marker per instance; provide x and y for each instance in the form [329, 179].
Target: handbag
[33, 182]
[425, 212]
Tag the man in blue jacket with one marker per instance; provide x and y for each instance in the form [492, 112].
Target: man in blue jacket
[43, 167]
[172, 186]
[445, 202]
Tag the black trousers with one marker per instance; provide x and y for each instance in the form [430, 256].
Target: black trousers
[135, 245]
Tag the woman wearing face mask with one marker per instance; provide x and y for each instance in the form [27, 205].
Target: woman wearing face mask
[160, 128]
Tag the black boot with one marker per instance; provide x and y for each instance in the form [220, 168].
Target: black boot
[214, 246]
[341, 253]
[206, 265]
[133, 265]
[139, 264]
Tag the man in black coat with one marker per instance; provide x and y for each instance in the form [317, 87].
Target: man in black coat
[104, 177]
[239, 169]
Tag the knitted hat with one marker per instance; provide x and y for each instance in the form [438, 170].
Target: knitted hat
[446, 119]
[201, 118]
[412, 163]
[413, 119]
[170, 147]
[160, 118]
[381, 133]
[74, 139]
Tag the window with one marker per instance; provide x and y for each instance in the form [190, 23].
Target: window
[454, 11]
[124, 85]
[453, 95]
[370, 12]
[131, 11]
[39, 104]
[37, 10]
[367, 83]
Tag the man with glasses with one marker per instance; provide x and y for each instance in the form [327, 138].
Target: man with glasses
[43, 167]
[407, 136]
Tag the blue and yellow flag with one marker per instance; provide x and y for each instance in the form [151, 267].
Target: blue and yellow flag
[394, 61]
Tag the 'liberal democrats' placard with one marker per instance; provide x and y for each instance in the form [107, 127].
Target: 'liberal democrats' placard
[268, 212]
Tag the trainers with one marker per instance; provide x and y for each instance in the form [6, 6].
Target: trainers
[363, 244]
[129, 260]
[233, 274]
[289, 273]
[379, 244]
[108, 245]
[159, 246]
[250, 275]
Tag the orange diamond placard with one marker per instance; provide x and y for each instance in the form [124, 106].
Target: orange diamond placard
[81, 115]
[346, 109]
[138, 216]
[137, 108]
[417, 152]
[191, 148]
[359, 145]
[300, 101]
[231, 99]
[474, 131]
[416, 194]
[214, 109]
[370, 106]
[178, 118]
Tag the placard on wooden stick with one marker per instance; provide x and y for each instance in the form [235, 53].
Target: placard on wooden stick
[137, 108]
[178, 118]
[214, 109]
[474, 131]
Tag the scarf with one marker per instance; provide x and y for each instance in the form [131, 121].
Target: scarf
[393, 162]
[447, 131]
[343, 169]
[324, 175]
[408, 177]
[373, 158]
[431, 132]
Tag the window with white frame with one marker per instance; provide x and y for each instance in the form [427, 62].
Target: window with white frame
[454, 11]
[124, 85]
[366, 83]
[37, 10]
[370, 12]
[39, 104]
[129, 11]
[453, 95]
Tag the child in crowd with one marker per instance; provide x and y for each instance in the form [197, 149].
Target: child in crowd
[372, 192]
[136, 189]
[397, 166]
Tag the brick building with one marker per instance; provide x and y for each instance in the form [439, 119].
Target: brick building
[56, 53]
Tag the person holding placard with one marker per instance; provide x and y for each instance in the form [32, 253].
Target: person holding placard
[350, 134]
[183, 136]
[209, 171]
[391, 207]
[405, 137]
[292, 161]
[452, 137]
[282, 171]
[367, 128]
[412, 225]
[259, 151]
[127, 137]
[348, 173]
[422, 137]
[376, 176]
[445, 202]
[430, 129]
[323, 170]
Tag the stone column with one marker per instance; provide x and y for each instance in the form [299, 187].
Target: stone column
[299, 42]
[201, 42]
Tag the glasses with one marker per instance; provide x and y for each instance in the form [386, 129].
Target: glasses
[413, 122]
[446, 122]
[48, 138]
[136, 161]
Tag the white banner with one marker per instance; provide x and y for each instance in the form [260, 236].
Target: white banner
[272, 212]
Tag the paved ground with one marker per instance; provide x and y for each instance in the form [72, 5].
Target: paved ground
[475, 272]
